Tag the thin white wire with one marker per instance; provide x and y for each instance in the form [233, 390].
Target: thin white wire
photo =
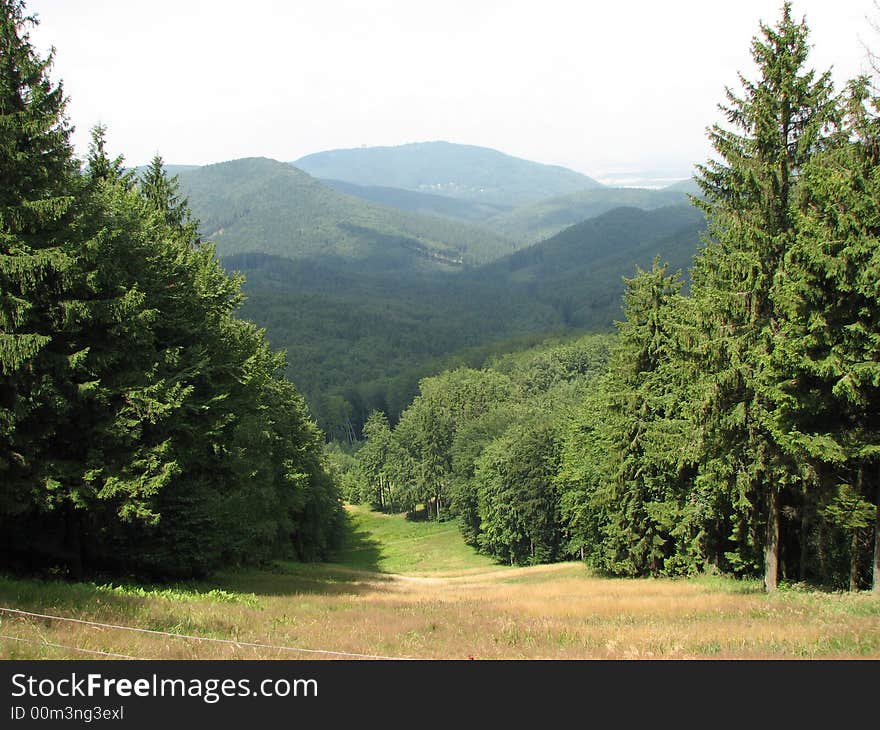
[69, 648]
[19, 612]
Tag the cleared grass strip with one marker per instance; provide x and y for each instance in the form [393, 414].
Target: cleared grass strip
[169, 634]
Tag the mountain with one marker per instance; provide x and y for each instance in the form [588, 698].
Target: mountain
[367, 298]
[260, 205]
[579, 271]
[524, 224]
[686, 186]
[361, 340]
[424, 203]
[170, 170]
[545, 218]
[454, 170]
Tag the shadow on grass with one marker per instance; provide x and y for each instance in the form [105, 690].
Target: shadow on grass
[352, 570]
[358, 550]
[297, 579]
[244, 587]
[58, 596]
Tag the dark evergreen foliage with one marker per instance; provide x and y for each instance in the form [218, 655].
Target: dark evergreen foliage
[145, 429]
[732, 424]
[735, 428]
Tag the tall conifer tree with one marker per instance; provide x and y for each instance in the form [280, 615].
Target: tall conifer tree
[37, 182]
[777, 124]
[828, 392]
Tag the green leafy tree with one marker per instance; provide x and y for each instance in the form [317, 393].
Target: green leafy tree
[519, 511]
[375, 459]
[427, 429]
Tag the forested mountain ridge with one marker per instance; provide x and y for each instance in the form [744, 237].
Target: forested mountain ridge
[541, 220]
[426, 203]
[455, 170]
[359, 294]
[736, 425]
[257, 204]
[263, 206]
[360, 340]
[528, 223]
[622, 230]
[579, 272]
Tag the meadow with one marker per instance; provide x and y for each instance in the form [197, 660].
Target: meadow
[401, 588]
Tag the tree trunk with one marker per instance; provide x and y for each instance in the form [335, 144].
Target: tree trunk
[854, 554]
[806, 522]
[74, 544]
[876, 586]
[771, 548]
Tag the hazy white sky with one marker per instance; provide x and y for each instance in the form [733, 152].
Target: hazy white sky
[601, 87]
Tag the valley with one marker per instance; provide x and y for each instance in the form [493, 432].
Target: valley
[431, 400]
[369, 287]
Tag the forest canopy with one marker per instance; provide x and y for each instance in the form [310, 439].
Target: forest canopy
[731, 424]
[144, 427]
[736, 425]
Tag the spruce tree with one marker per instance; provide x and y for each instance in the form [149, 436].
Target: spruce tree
[828, 392]
[37, 189]
[163, 194]
[630, 452]
[775, 127]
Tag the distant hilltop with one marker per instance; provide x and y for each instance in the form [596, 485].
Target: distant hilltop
[445, 168]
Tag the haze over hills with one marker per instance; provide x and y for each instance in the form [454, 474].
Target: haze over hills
[454, 170]
[360, 341]
[543, 219]
[524, 224]
[260, 205]
[444, 206]
[370, 287]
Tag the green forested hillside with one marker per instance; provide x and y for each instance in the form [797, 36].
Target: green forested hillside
[361, 294]
[545, 218]
[733, 426]
[455, 170]
[579, 271]
[259, 205]
[425, 203]
[352, 338]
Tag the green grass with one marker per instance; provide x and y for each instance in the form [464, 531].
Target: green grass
[395, 544]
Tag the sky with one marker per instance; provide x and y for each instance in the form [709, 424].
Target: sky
[611, 89]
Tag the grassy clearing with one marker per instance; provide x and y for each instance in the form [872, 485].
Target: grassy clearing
[399, 588]
[395, 544]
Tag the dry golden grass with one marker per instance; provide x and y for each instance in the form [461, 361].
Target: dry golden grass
[556, 612]
[471, 608]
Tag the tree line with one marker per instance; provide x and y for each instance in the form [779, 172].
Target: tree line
[736, 425]
[144, 428]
